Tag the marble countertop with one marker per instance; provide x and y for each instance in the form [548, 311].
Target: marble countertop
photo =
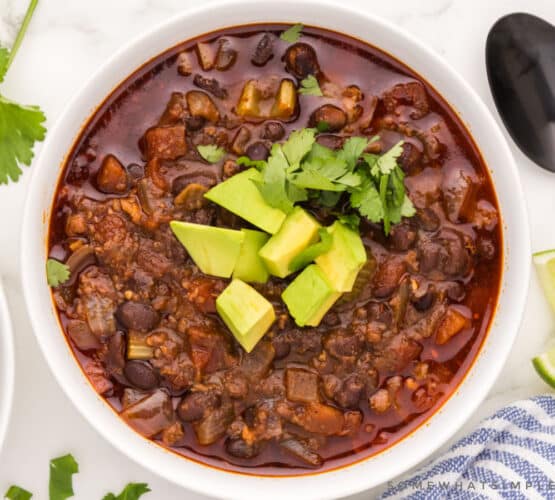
[65, 44]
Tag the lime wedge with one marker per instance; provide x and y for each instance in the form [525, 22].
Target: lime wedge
[545, 267]
[545, 366]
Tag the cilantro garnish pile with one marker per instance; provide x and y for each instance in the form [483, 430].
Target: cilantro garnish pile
[20, 126]
[301, 169]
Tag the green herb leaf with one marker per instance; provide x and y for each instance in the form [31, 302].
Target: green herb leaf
[4, 59]
[298, 145]
[57, 273]
[132, 491]
[17, 493]
[352, 150]
[211, 153]
[388, 161]
[313, 179]
[310, 253]
[292, 34]
[61, 472]
[367, 201]
[20, 128]
[310, 86]
[349, 220]
[247, 162]
[273, 188]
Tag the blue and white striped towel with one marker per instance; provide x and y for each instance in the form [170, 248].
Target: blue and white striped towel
[510, 456]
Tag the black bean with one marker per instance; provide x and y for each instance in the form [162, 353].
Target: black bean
[137, 316]
[226, 56]
[424, 301]
[282, 346]
[428, 219]
[301, 60]
[141, 374]
[329, 116]
[258, 151]
[273, 131]
[264, 50]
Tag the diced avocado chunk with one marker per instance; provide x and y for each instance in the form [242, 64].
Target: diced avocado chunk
[239, 195]
[245, 312]
[342, 262]
[309, 296]
[250, 266]
[214, 250]
[297, 232]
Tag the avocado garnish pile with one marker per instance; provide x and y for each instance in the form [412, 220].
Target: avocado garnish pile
[267, 195]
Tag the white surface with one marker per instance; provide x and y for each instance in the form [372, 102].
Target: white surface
[67, 40]
[7, 368]
[419, 444]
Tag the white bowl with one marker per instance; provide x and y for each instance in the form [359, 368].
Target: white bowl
[444, 423]
[6, 365]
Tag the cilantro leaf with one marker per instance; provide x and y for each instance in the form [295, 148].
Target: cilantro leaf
[273, 188]
[310, 253]
[352, 149]
[292, 34]
[313, 179]
[329, 198]
[133, 491]
[367, 201]
[350, 220]
[298, 145]
[4, 59]
[388, 161]
[61, 471]
[211, 153]
[17, 493]
[295, 193]
[310, 86]
[57, 273]
[20, 128]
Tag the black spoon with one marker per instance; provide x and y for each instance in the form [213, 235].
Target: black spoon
[520, 62]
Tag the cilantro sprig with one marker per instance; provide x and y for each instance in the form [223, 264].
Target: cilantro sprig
[20, 126]
[292, 34]
[60, 485]
[301, 169]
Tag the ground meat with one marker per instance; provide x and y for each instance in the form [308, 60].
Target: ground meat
[411, 94]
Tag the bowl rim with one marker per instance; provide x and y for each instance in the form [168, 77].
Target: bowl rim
[224, 483]
[7, 366]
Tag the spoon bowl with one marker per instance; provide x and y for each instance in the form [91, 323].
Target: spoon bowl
[520, 63]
